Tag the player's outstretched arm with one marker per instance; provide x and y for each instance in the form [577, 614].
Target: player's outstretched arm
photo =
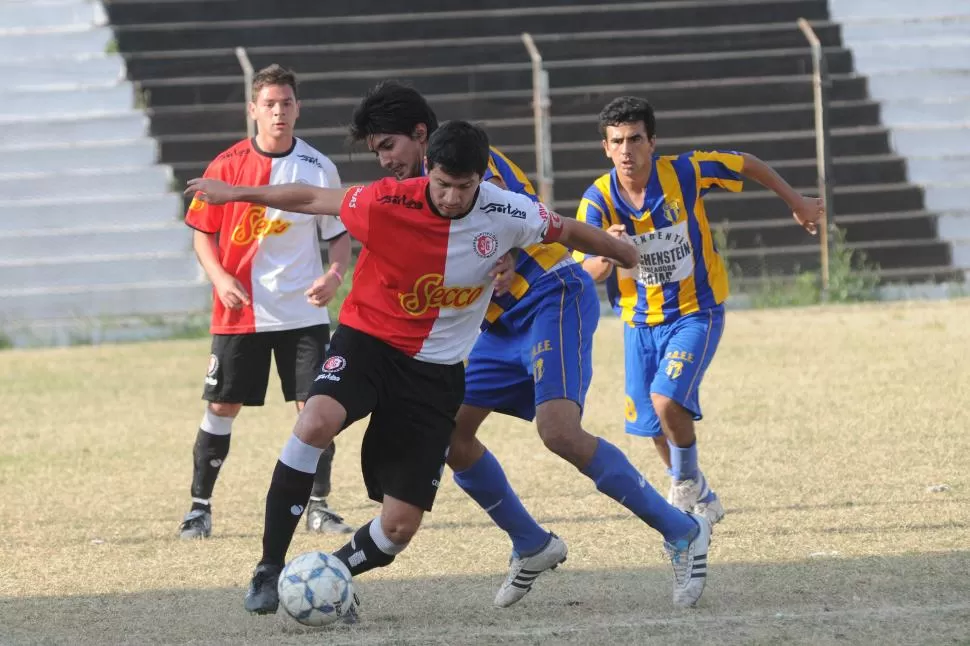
[295, 198]
[616, 246]
[807, 211]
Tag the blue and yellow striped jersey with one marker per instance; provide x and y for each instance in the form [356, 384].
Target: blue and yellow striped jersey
[680, 270]
[534, 261]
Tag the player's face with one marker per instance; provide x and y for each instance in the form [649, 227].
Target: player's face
[400, 154]
[275, 110]
[629, 148]
[452, 195]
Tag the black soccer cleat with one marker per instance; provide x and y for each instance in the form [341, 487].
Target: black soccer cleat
[263, 597]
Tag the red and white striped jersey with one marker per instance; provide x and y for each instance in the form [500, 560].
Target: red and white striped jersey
[274, 254]
[421, 284]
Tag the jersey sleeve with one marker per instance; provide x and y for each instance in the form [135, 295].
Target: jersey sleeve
[203, 216]
[720, 169]
[355, 211]
[593, 211]
[331, 228]
[540, 225]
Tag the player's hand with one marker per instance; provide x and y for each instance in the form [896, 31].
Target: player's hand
[211, 191]
[617, 231]
[626, 254]
[323, 289]
[808, 212]
[231, 292]
[503, 272]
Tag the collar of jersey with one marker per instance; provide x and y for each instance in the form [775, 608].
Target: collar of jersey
[272, 155]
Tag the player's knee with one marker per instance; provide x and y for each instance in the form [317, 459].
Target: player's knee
[666, 408]
[320, 420]
[559, 427]
[400, 526]
[222, 409]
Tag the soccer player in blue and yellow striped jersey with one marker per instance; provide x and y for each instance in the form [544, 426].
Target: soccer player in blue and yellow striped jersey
[532, 360]
[673, 304]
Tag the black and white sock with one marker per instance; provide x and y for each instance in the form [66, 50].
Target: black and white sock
[208, 456]
[287, 498]
[369, 548]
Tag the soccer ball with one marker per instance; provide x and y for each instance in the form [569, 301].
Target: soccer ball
[316, 589]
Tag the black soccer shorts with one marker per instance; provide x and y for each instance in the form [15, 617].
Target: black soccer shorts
[239, 364]
[412, 406]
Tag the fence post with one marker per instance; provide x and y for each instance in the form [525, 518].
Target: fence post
[543, 130]
[247, 69]
[822, 84]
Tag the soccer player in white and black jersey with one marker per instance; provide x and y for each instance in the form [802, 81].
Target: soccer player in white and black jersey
[270, 290]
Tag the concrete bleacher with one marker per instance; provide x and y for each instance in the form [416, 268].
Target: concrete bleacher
[726, 74]
[91, 237]
[917, 57]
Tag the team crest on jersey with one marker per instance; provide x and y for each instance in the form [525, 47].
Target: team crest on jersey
[486, 244]
[672, 211]
[255, 226]
[429, 292]
[196, 204]
[336, 363]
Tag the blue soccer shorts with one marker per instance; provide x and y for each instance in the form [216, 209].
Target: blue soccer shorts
[670, 360]
[540, 350]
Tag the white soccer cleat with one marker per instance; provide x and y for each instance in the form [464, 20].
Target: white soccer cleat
[523, 571]
[712, 510]
[686, 495]
[690, 564]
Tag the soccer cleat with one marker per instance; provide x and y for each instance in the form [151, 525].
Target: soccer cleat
[712, 509]
[196, 524]
[523, 571]
[689, 559]
[320, 519]
[697, 497]
[263, 597]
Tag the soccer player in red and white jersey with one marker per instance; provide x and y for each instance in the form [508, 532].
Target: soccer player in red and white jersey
[420, 292]
[270, 290]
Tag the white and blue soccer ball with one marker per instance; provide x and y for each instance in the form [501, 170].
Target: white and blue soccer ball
[316, 589]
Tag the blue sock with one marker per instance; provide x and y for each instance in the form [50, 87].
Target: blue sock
[486, 483]
[683, 461]
[618, 479]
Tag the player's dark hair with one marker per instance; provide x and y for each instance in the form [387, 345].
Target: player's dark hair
[459, 148]
[628, 109]
[391, 108]
[274, 75]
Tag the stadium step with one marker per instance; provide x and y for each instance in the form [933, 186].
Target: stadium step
[892, 254]
[926, 29]
[155, 298]
[79, 100]
[54, 72]
[316, 28]
[931, 83]
[469, 50]
[919, 111]
[195, 125]
[86, 184]
[58, 43]
[896, 56]
[89, 270]
[40, 131]
[489, 77]
[135, 12]
[89, 214]
[17, 17]
[932, 139]
[96, 240]
[56, 158]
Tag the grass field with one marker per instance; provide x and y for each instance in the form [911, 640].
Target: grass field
[824, 431]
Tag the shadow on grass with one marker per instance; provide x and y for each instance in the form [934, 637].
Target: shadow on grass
[916, 598]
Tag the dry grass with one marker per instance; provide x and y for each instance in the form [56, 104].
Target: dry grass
[824, 429]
